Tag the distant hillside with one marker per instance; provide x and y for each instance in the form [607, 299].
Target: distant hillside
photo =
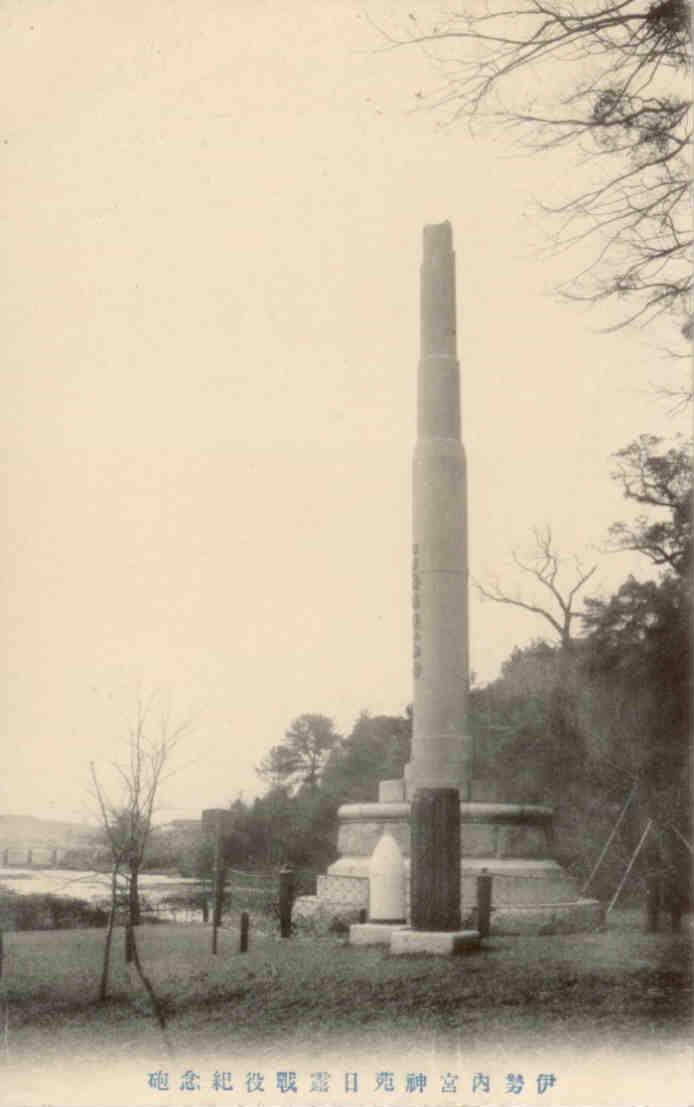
[27, 831]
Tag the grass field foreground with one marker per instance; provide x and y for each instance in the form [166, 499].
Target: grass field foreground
[578, 988]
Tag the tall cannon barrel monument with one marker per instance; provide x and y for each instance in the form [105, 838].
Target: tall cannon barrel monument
[512, 842]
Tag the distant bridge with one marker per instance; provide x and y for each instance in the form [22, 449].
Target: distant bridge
[44, 856]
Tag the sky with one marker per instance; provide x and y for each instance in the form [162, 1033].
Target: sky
[211, 237]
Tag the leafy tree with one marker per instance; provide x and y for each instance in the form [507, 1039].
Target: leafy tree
[639, 653]
[377, 749]
[639, 637]
[638, 649]
[660, 479]
[292, 829]
[295, 821]
[607, 78]
[638, 672]
[299, 760]
[521, 755]
[530, 671]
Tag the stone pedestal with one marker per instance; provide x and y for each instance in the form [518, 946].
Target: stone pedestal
[531, 893]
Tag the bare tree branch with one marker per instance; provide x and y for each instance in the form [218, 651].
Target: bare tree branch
[611, 80]
[127, 820]
[544, 568]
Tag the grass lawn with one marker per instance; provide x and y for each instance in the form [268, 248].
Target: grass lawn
[622, 985]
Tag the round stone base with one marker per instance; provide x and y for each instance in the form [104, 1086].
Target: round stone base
[514, 883]
[504, 830]
[531, 893]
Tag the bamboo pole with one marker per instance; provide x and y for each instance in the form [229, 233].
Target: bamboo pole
[637, 851]
[608, 843]
[681, 837]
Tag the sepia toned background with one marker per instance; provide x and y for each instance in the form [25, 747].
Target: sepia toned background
[211, 245]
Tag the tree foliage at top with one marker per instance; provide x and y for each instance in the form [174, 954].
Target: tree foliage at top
[582, 726]
[295, 821]
[298, 761]
[626, 105]
[377, 749]
[640, 653]
[660, 479]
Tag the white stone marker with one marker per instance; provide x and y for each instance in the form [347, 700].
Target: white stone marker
[387, 892]
[387, 882]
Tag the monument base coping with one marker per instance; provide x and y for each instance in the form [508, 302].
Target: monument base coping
[442, 943]
[553, 918]
[373, 933]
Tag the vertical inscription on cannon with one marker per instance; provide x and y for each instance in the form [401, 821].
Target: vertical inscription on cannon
[416, 618]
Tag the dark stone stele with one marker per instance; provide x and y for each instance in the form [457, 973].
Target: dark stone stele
[435, 859]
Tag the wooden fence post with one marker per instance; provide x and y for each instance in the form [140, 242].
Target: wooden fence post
[676, 912]
[484, 903]
[128, 943]
[673, 899]
[652, 904]
[215, 827]
[243, 948]
[286, 899]
[216, 906]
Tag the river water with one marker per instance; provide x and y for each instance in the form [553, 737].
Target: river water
[96, 887]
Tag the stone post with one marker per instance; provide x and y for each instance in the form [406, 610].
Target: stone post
[435, 859]
[652, 903]
[243, 944]
[128, 942]
[286, 893]
[484, 903]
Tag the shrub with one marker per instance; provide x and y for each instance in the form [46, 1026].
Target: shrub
[42, 911]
